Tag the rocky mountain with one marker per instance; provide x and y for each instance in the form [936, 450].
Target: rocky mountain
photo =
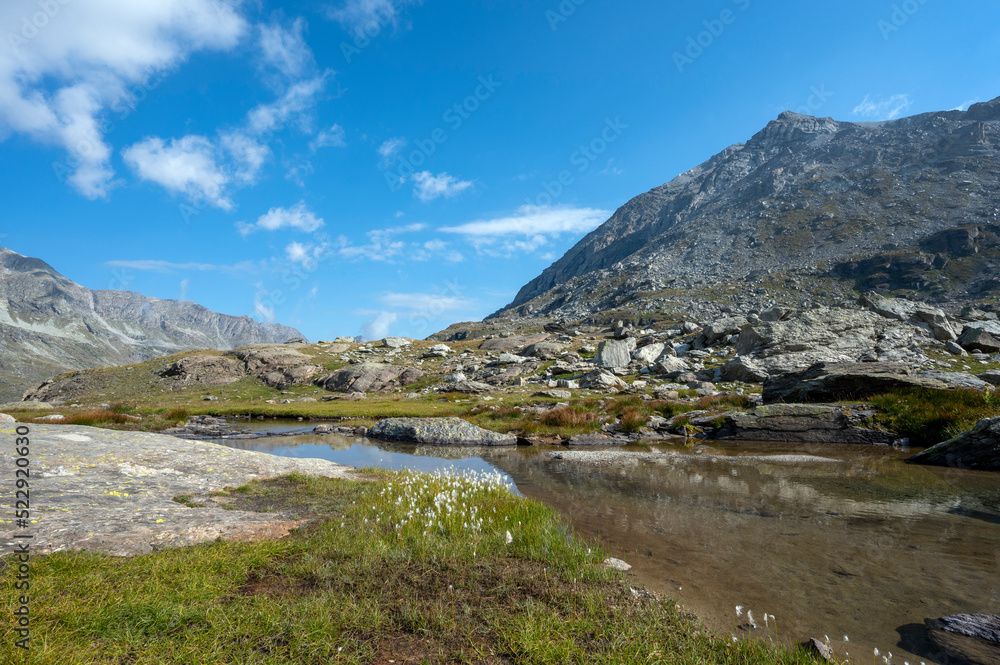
[49, 324]
[910, 206]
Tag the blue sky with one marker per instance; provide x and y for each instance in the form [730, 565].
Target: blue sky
[393, 166]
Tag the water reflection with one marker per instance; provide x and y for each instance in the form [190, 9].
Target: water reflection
[850, 542]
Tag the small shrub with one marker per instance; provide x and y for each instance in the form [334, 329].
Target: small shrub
[633, 420]
[569, 416]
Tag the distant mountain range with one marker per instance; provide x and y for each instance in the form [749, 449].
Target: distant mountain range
[908, 205]
[49, 324]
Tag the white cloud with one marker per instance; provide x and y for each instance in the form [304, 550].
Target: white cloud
[285, 50]
[184, 289]
[185, 166]
[529, 229]
[534, 221]
[160, 266]
[308, 255]
[883, 109]
[264, 311]
[329, 138]
[428, 187]
[427, 304]
[390, 148]
[964, 106]
[297, 217]
[239, 154]
[378, 327]
[66, 62]
[369, 17]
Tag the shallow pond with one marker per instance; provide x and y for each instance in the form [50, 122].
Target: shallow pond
[850, 541]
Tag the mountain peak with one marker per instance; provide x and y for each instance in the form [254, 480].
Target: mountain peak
[804, 192]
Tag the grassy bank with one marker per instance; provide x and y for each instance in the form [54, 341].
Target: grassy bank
[401, 568]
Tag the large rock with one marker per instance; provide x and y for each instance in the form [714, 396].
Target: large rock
[6, 419]
[544, 350]
[978, 448]
[829, 382]
[397, 342]
[806, 423]
[614, 353]
[649, 354]
[438, 351]
[512, 343]
[825, 335]
[992, 376]
[714, 333]
[600, 379]
[978, 337]
[207, 370]
[277, 366]
[440, 431]
[369, 377]
[966, 639]
[670, 364]
[743, 369]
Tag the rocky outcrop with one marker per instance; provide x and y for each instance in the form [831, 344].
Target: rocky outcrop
[277, 366]
[369, 377]
[439, 431]
[825, 335]
[980, 337]
[966, 639]
[207, 370]
[804, 423]
[49, 324]
[830, 382]
[917, 313]
[978, 448]
[514, 343]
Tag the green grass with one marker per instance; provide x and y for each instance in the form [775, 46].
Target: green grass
[930, 416]
[405, 567]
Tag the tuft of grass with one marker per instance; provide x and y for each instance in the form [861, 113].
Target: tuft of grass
[407, 567]
[928, 416]
[573, 417]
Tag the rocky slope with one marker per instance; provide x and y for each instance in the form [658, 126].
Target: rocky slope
[908, 205]
[49, 324]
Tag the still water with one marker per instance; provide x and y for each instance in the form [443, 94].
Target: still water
[832, 540]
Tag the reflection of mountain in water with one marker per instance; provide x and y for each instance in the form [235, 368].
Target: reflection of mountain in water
[828, 548]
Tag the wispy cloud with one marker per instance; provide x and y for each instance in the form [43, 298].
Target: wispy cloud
[964, 106]
[334, 137]
[161, 266]
[390, 148]
[883, 109]
[528, 229]
[297, 217]
[378, 327]
[429, 303]
[285, 50]
[307, 255]
[369, 16]
[428, 186]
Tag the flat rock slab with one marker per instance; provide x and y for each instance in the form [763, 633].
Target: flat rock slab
[440, 431]
[967, 639]
[806, 423]
[112, 492]
[512, 343]
[979, 449]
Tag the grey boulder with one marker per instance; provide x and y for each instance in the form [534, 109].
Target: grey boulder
[615, 353]
[438, 431]
[369, 377]
[979, 448]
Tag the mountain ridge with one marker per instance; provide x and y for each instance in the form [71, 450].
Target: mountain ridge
[800, 192]
[50, 324]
